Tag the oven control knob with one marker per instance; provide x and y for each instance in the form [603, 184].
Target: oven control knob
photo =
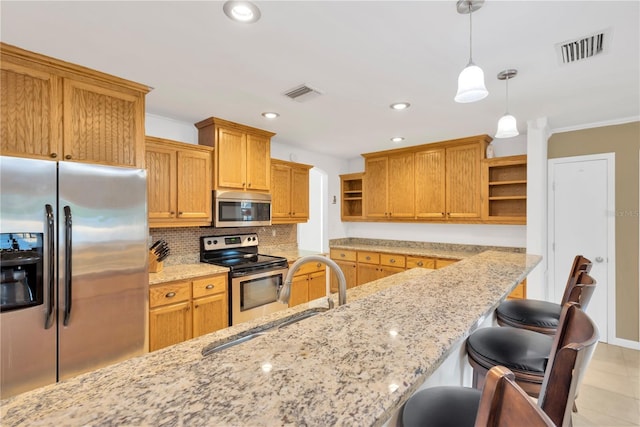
[208, 242]
[215, 242]
[253, 238]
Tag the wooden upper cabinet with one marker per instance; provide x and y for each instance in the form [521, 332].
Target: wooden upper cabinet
[289, 192]
[55, 110]
[430, 183]
[178, 183]
[242, 156]
[31, 114]
[102, 125]
[376, 186]
[463, 180]
[389, 186]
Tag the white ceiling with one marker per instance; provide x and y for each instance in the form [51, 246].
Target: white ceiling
[362, 55]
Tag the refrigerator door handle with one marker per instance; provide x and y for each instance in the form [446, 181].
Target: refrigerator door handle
[67, 265]
[48, 321]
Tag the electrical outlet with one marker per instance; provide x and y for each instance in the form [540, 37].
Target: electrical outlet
[273, 232]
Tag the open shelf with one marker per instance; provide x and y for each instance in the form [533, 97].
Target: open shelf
[351, 196]
[505, 189]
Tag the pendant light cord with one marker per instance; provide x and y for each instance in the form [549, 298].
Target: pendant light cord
[507, 103]
[470, 32]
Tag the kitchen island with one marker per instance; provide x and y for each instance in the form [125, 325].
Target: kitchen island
[352, 365]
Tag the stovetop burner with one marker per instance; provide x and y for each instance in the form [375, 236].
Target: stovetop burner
[239, 253]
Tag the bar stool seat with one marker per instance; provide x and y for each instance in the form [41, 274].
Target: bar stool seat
[461, 402]
[525, 353]
[534, 313]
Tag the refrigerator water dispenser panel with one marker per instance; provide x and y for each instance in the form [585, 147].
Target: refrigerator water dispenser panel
[21, 264]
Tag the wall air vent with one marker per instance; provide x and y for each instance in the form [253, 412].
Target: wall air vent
[302, 93]
[583, 47]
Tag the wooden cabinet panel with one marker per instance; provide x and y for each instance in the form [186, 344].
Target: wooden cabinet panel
[161, 163]
[349, 269]
[210, 314]
[280, 190]
[420, 262]
[102, 125]
[463, 181]
[376, 187]
[194, 185]
[169, 294]
[55, 110]
[178, 183]
[368, 257]
[209, 286]
[242, 154]
[430, 183]
[299, 290]
[317, 285]
[300, 193]
[386, 271]
[520, 291]
[31, 117]
[289, 192]
[352, 196]
[367, 273]
[401, 184]
[258, 168]
[504, 190]
[442, 262]
[343, 255]
[169, 325]
[231, 151]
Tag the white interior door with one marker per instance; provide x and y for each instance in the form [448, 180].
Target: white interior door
[581, 221]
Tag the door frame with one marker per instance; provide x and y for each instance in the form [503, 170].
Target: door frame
[611, 235]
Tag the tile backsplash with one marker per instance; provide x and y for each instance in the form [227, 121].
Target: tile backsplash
[184, 242]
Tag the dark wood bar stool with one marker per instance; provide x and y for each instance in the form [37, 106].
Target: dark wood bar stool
[461, 406]
[543, 316]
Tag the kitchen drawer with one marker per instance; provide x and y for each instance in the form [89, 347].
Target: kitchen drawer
[309, 267]
[343, 255]
[369, 257]
[419, 262]
[393, 260]
[209, 286]
[442, 262]
[169, 294]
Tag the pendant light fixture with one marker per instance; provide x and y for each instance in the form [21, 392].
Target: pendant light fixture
[507, 126]
[471, 86]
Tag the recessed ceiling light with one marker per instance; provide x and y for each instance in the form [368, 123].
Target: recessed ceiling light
[270, 115]
[397, 139]
[241, 11]
[400, 105]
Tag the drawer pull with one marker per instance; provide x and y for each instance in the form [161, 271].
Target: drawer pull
[392, 260]
[209, 286]
[342, 255]
[368, 258]
[420, 264]
[170, 295]
[318, 265]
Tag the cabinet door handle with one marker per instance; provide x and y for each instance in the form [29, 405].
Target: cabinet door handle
[54, 155]
[68, 157]
[244, 184]
[420, 264]
[209, 286]
[195, 306]
[170, 295]
[180, 213]
[441, 213]
[249, 185]
[172, 213]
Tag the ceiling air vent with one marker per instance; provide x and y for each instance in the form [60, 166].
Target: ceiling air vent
[302, 93]
[583, 47]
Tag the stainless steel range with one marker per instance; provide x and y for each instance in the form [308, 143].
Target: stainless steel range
[254, 278]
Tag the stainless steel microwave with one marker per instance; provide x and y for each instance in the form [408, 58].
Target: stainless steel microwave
[241, 209]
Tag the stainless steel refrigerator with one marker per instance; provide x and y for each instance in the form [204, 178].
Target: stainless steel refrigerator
[74, 276]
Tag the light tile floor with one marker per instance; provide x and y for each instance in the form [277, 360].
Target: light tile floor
[610, 391]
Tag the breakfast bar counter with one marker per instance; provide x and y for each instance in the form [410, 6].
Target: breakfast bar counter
[353, 365]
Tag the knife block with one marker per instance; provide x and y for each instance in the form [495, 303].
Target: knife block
[155, 266]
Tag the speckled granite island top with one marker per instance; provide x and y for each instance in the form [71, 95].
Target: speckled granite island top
[342, 367]
[184, 272]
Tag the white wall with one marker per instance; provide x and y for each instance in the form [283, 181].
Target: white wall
[164, 127]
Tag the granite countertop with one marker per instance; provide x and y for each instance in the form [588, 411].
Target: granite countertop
[419, 249]
[290, 253]
[352, 365]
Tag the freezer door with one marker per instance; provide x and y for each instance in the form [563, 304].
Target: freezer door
[103, 279]
[27, 347]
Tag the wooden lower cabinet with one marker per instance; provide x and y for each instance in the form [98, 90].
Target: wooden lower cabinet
[373, 266]
[443, 262]
[309, 283]
[520, 292]
[420, 262]
[182, 310]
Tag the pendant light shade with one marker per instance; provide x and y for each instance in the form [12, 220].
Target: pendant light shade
[507, 126]
[471, 86]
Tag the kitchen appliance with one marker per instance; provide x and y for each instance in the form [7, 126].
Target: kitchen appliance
[241, 209]
[254, 278]
[73, 269]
